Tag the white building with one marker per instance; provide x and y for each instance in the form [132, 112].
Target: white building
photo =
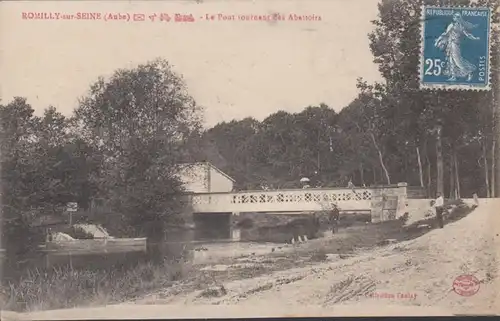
[204, 177]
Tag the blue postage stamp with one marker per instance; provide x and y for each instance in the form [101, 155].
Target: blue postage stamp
[455, 52]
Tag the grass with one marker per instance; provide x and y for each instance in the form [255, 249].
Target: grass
[319, 255]
[214, 292]
[67, 288]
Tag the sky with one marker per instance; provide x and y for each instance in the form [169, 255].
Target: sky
[234, 69]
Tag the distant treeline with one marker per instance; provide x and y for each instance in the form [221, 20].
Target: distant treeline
[392, 132]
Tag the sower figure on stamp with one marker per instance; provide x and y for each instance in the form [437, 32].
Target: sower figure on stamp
[439, 206]
[334, 217]
[450, 41]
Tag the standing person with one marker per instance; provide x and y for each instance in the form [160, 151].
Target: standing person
[49, 237]
[476, 201]
[305, 182]
[439, 206]
[334, 218]
[351, 186]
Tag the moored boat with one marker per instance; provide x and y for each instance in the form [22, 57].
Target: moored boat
[93, 245]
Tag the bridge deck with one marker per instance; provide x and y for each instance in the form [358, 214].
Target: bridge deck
[294, 201]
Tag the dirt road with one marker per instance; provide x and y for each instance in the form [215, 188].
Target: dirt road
[412, 274]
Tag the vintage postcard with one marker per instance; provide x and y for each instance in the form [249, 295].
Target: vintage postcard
[237, 159]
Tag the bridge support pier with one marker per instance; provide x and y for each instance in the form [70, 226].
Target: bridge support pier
[212, 226]
[388, 203]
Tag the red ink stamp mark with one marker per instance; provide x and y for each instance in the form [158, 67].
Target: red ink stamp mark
[466, 285]
[139, 17]
[183, 17]
[165, 17]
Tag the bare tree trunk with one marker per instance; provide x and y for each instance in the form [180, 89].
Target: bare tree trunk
[429, 169]
[420, 171]
[439, 163]
[457, 176]
[486, 174]
[493, 174]
[318, 163]
[380, 158]
[362, 174]
[406, 166]
[452, 178]
[429, 180]
[374, 171]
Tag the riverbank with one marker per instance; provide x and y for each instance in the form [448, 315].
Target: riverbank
[355, 266]
[87, 281]
[413, 273]
[209, 264]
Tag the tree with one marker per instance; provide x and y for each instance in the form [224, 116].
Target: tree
[141, 121]
[395, 44]
[231, 147]
[17, 130]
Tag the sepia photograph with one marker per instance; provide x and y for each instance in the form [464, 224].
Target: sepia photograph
[244, 159]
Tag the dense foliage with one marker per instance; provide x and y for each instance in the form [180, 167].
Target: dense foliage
[122, 143]
[120, 148]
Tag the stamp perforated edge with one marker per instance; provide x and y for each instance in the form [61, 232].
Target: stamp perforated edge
[451, 87]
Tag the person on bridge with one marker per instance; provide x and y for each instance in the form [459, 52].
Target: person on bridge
[334, 217]
[439, 206]
[351, 186]
[476, 201]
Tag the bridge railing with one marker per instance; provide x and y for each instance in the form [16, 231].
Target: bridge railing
[283, 200]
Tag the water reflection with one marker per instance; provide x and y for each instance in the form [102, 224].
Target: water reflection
[175, 245]
[216, 226]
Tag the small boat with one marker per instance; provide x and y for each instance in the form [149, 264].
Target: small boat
[97, 245]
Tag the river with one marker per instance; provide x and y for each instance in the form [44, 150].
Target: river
[190, 244]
